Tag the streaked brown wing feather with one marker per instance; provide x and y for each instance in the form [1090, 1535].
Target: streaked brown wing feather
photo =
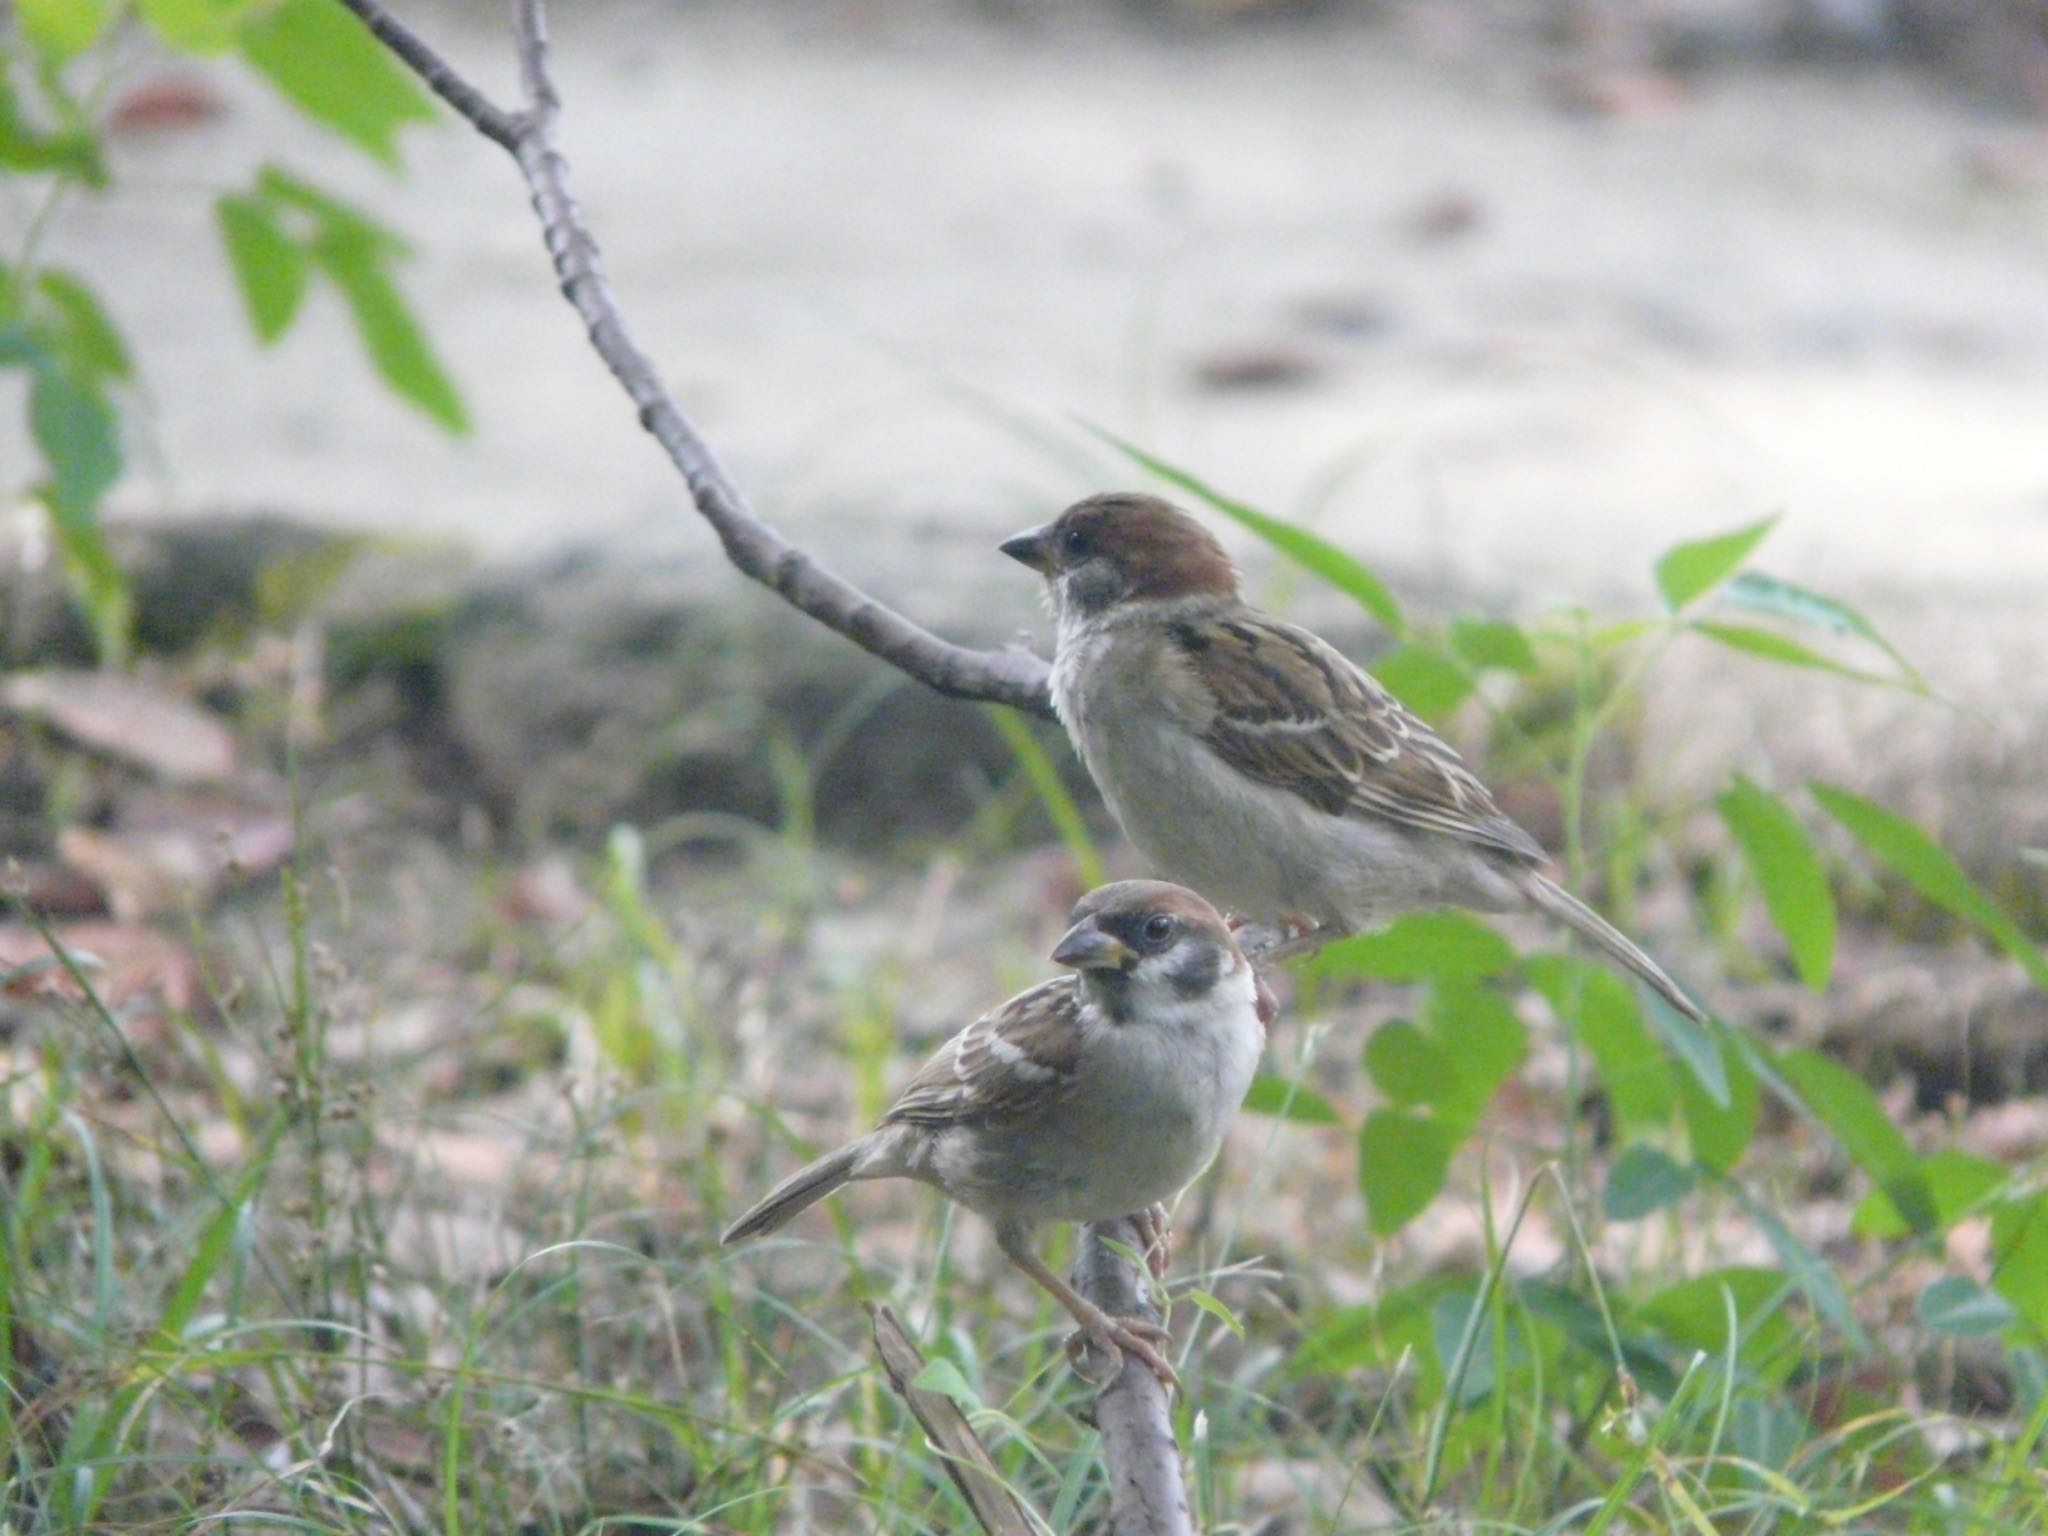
[1293, 712]
[1008, 1064]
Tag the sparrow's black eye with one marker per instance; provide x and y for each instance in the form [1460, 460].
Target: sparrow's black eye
[1160, 929]
[1075, 544]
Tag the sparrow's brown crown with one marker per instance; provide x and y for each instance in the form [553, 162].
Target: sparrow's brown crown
[1154, 550]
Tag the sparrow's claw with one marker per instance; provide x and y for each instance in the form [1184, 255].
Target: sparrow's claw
[1120, 1336]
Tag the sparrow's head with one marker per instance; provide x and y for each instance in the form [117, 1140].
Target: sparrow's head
[1147, 950]
[1124, 547]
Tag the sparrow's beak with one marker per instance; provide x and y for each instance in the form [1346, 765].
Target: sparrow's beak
[1028, 548]
[1089, 948]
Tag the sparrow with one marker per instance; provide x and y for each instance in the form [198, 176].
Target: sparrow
[1249, 759]
[1088, 1097]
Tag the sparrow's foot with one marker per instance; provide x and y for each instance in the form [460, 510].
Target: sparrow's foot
[1120, 1336]
[1155, 1238]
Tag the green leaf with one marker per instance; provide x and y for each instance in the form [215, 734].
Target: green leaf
[1305, 549]
[63, 29]
[1937, 876]
[1687, 571]
[196, 26]
[1772, 646]
[1789, 874]
[270, 267]
[75, 428]
[1817, 1282]
[1721, 1132]
[71, 151]
[328, 65]
[944, 1378]
[1493, 643]
[1418, 946]
[397, 347]
[1758, 593]
[1277, 1096]
[1694, 1046]
[1644, 1180]
[1958, 1306]
[1053, 796]
[1957, 1183]
[1407, 1065]
[1403, 1160]
[1606, 1015]
[2019, 1257]
[1215, 1309]
[1845, 1104]
[82, 332]
[1694, 1315]
[1485, 1041]
[1425, 679]
[331, 219]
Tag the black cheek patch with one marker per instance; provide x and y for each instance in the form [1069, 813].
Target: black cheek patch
[1197, 974]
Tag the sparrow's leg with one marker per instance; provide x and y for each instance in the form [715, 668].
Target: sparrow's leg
[1155, 1233]
[1118, 1336]
[1297, 936]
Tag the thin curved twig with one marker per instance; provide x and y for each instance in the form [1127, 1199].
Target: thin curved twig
[1148, 1497]
[1012, 676]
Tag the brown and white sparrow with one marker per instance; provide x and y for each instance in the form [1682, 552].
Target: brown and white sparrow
[1088, 1097]
[1250, 760]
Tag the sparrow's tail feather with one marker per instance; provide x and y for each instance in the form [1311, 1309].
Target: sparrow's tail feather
[799, 1192]
[1555, 901]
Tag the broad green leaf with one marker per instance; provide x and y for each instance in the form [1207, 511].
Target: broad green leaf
[196, 26]
[1607, 1016]
[75, 428]
[1846, 1106]
[1721, 1132]
[1643, 1180]
[395, 343]
[329, 66]
[1936, 875]
[1956, 1181]
[1417, 947]
[331, 219]
[83, 334]
[270, 267]
[1484, 1041]
[1448, 1321]
[1345, 1342]
[1789, 874]
[71, 150]
[1772, 646]
[1758, 593]
[1305, 549]
[2019, 1257]
[1403, 1160]
[1493, 643]
[1425, 679]
[63, 29]
[1690, 570]
[1694, 1315]
[1272, 1095]
[1958, 1306]
[1406, 1064]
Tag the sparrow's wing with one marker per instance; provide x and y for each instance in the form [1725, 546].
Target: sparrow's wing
[1009, 1064]
[1293, 712]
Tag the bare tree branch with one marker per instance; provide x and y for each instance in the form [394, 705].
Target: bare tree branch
[1147, 1495]
[1010, 676]
[1143, 1460]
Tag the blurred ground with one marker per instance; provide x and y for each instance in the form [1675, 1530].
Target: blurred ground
[1488, 312]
